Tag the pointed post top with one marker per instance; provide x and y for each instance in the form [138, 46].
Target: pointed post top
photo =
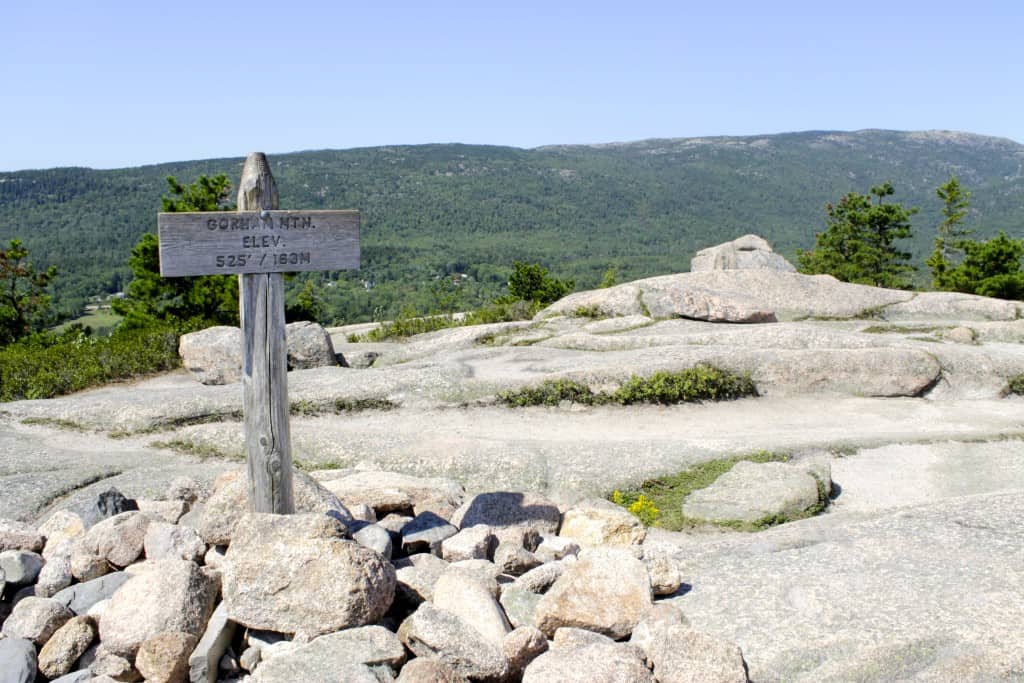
[257, 189]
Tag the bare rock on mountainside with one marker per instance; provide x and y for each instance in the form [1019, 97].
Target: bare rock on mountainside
[911, 573]
[749, 252]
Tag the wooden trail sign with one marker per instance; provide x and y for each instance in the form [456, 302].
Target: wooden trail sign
[208, 243]
[259, 243]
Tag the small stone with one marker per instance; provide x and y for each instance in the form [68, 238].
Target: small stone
[98, 610]
[193, 518]
[341, 585]
[522, 646]
[118, 539]
[170, 541]
[325, 657]
[520, 606]
[425, 533]
[608, 591]
[394, 522]
[214, 557]
[175, 596]
[187, 490]
[515, 560]
[416, 576]
[483, 571]
[169, 511]
[960, 335]
[429, 670]
[80, 597]
[214, 642]
[115, 666]
[309, 346]
[458, 592]
[15, 535]
[552, 548]
[540, 579]
[567, 636]
[664, 574]
[250, 659]
[54, 576]
[522, 536]
[374, 537]
[600, 522]
[17, 660]
[362, 512]
[433, 632]
[595, 663]
[21, 567]
[66, 645]
[509, 509]
[63, 525]
[473, 543]
[164, 657]
[86, 566]
[653, 628]
[108, 504]
[36, 619]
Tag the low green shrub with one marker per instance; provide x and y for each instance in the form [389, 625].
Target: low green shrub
[408, 324]
[550, 393]
[1016, 385]
[48, 365]
[699, 383]
[592, 312]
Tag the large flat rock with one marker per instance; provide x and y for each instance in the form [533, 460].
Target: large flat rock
[925, 592]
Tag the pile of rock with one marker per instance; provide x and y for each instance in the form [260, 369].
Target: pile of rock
[407, 580]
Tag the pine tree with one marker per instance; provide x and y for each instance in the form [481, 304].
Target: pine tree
[187, 303]
[949, 243]
[24, 302]
[859, 243]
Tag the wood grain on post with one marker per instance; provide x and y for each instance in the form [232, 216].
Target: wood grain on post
[268, 450]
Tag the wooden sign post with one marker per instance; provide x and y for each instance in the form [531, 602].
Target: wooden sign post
[259, 243]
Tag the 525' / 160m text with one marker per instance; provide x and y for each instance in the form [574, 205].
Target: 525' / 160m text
[242, 260]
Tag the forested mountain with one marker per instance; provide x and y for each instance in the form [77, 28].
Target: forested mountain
[429, 210]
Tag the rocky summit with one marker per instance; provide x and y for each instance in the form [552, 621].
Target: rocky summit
[870, 531]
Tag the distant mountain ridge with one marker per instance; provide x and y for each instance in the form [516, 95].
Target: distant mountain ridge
[429, 210]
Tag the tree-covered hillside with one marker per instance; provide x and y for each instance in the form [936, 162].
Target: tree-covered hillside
[433, 210]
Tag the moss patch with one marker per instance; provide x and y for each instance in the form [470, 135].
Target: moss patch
[666, 494]
[54, 422]
[339, 405]
[201, 450]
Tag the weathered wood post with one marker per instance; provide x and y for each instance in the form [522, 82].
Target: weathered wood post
[268, 443]
[259, 243]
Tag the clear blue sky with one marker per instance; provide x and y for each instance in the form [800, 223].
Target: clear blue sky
[112, 84]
